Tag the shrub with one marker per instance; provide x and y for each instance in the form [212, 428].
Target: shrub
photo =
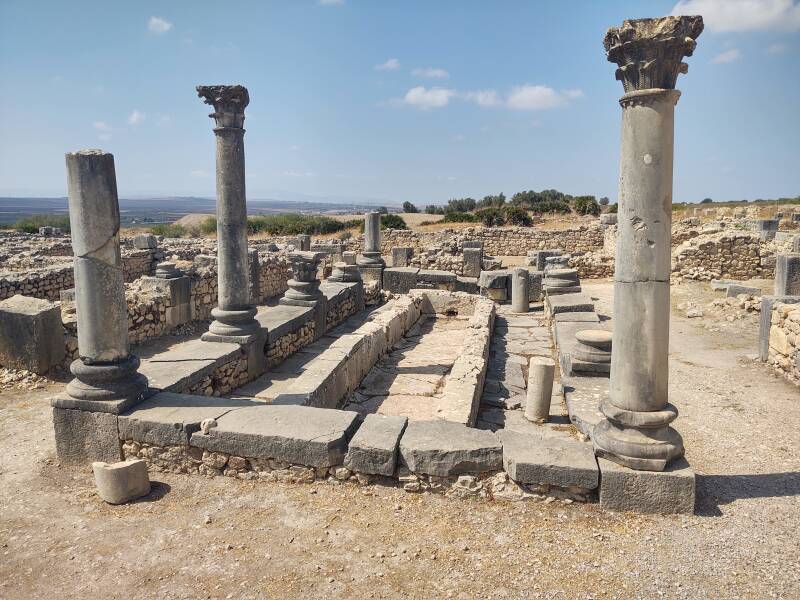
[409, 208]
[460, 205]
[393, 222]
[431, 209]
[491, 217]
[492, 201]
[459, 217]
[550, 206]
[516, 215]
[604, 201]
[345, 235]
[613, 208]
[209, 226]
[587, 205]
[293, 224]
[31, 224]
[169, 230]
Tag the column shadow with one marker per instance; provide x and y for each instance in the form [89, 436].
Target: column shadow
[714, 491]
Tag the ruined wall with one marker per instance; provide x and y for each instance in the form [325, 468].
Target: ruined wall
[784, 341]
[289, 343]
[275, 271]
[45, 283]
[735, 255]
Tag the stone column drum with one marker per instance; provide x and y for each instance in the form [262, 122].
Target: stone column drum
[541, 371]
[234, 316]
[636, 431]
[106, 377]
[371, 257]
[520, 290]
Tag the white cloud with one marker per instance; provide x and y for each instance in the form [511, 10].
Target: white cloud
[158, 25]
[573, 94]
[424, 98]
[136, 117]
[101, 126]
[431, 73]
[728, 56]
[390, 65]
[743, 15]
[776, 48]
[331, 2]
[534, 97]
[484, 98]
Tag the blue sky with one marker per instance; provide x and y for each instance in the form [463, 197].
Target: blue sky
[394, 101]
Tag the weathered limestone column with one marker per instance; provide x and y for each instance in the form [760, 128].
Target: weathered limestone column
[540, 388]
[636, 431]
[106, 377]
[234, 315]
[371, 257]
[520, 290]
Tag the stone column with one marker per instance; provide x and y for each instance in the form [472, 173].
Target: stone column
[636, 431]
[106, 377]
[371, 257]
[540, 388]
[520, 290]
[234, 315]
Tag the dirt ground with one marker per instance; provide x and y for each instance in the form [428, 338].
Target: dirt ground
[225, 538]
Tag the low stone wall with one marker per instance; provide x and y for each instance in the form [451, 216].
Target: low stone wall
[274, 272]
[735, 255]
[222, 380]
[784, 341]
[287, 344]
[46, 283]
[593, 265]
[136, 263]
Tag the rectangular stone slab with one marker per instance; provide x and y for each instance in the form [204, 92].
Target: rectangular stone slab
[576, 317]
[671, 491]
[443, 448]
[544, 458]
[569, 303]
[169, 419]
[373, 449]
[400, 279]
[314, 437]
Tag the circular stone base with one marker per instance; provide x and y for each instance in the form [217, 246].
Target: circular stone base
[107, 381]
[649, 449]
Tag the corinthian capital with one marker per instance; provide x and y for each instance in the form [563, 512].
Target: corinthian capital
[229, 102]
[649, 52]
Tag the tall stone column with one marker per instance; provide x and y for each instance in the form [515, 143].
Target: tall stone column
[234, 316]
[636, 431]
[371, 257]
[106, 377]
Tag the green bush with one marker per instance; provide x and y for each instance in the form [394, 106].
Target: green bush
[516, 215]
[393, 222]
[491, 217]
[551, 206]
[294, 224]
[31, 224]
[587, 205]
[460, 205]
[345, 235]
[209, 226]
[492, 201]
[169, 230]
[459, 217]
[409, 208]
[613, 208]
[431, 209]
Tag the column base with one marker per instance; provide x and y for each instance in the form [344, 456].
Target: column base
[371, 259]
[232, 326]
[643, 441]
[109, 387]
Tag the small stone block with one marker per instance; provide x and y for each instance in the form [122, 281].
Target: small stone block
[121, 482]
[444, 448]
[734, 289]
[145, 241]
[400, 280]
[31, 334]
[569, 303]
[373, 449]
[671, 491]
[83, 436]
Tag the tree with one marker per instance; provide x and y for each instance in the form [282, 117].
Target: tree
[409, 208]
[706, 201]
[604, 201]
[430, 209]
[383, 210]
[516, 215]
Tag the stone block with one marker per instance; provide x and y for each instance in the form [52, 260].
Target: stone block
[734, 289]
[787, 275]
[438, 280]
[473, 261]
[145, 241]
[569, 303]
[168, 419]
[608, 219]
[121, 482]
[31, 334]
[467, 284]
[577, 317]
[400, 280]
[314, 437]
[535, 279]
[401, 256]
[83, 437]
[545, 458]
[370, 273]
[796, 243]
[671, 491]
[491, 280]
[373, 449]
[443, 448]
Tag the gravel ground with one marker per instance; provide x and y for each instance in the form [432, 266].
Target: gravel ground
[224, 538]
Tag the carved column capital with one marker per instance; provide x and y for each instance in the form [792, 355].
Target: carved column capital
[649, 52]
[229, 102]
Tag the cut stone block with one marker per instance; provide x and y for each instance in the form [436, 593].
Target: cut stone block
[373, 449]
[443, 448]
[473, 260]
[442, 280]
[576, 317]
[83, 437]
[400, 280]
[121, 482]
[31, 334]
[671, 491]
[734, 289]
[569, 303]
[547, 459]
[787, 275]
[401, 256]
[168, 419]
[145, 241]
[467, 284]
[314, 437]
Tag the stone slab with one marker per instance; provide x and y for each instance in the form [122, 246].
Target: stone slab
[576, 317]
[671, 491]
[168, 419]
[467, 284]
[765, 321]
[547, 459]
[373, 449]
[583, 396]
[83, 437]
[314, 437]
[568, 303]
[734, 289]
[282, 319]
[400, 280]
[443, 448]
[177, 366]
[31, 334]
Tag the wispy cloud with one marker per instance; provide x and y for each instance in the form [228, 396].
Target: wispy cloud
[535, 97]
[484, 98]
[390, 65]
[136, 117]
[158, 25]
[331, 2]
[776, 48]
[101, 126]
[728, 56]
[743, 15]
[427, 98]
[431, 73]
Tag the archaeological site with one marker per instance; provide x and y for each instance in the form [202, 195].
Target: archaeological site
[599, 405]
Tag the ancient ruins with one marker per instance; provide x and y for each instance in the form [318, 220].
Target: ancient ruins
[399, 358]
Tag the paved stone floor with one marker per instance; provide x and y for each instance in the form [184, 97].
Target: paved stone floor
[409, 380]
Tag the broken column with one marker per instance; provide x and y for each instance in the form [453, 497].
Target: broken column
[370, 262]
[234, 316]
[787, 275]
[540, 388]
[304, 287]
[636, 431]
[520, 290]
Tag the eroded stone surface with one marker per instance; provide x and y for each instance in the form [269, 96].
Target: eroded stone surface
[443, 448]
[373, 449]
